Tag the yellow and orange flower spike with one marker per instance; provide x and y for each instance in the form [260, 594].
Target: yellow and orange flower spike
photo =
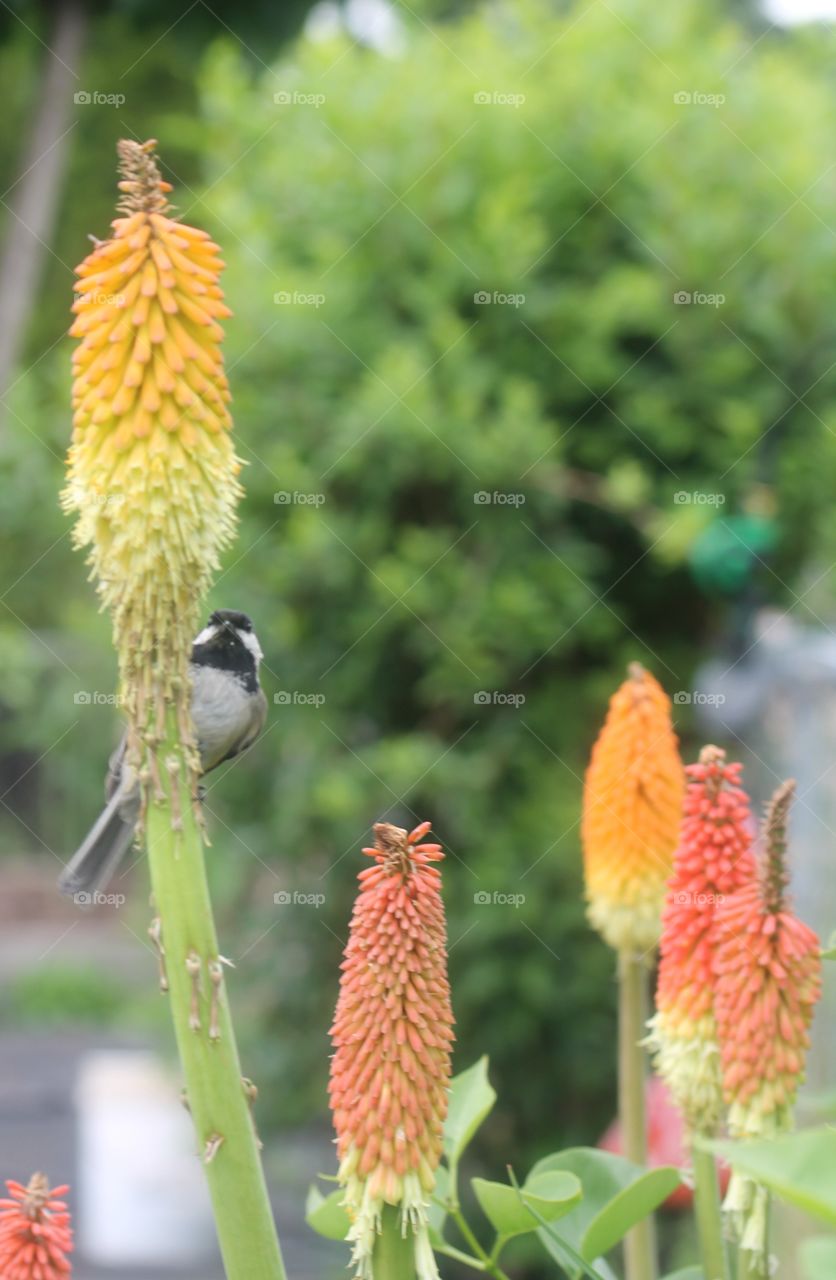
[713, 861]
[392, 1035]
[35, 1232]
[768, 979]
[632, 808]
[151, 469]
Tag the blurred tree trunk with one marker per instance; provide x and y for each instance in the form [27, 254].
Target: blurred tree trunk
[32, 205]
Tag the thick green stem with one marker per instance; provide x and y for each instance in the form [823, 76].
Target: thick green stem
[394, 1254]
[640, 1243]
[749, 1266]
[707, 1210]
[217, 1097]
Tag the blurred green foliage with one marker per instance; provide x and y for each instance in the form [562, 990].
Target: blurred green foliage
[62, 996]
[378, 395]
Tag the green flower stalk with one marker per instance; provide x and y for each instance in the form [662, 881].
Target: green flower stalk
[152, 476]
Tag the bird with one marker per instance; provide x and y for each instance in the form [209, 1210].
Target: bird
[228, 711]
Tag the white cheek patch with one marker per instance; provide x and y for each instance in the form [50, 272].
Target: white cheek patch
[207, 634]
[250, 642]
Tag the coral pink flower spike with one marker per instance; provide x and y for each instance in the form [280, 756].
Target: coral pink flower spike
[35, 1233]
[392, 1034]
[714, 860]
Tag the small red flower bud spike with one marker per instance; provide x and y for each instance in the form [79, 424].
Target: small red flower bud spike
[768, 979]
[392, 1035]
[35, 1232]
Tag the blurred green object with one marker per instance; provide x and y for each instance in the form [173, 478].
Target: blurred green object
[510, 298]
[62, 996]
[726, 555]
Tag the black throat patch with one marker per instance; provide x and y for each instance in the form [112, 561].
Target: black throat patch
[226, 652]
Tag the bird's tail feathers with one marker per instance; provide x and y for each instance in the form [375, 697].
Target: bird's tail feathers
[105, 845]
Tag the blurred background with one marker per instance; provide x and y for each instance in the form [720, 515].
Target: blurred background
[534, 369]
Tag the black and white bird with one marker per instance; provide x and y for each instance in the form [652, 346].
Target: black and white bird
[228, 710]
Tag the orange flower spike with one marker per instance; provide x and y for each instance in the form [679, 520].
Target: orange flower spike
[392, 1036]
[713, 861]
[632, 807]
[152, 473]
[35, 1233]
[767, 981]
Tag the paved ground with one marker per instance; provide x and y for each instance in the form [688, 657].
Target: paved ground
[38, 1131]
[39, 1070]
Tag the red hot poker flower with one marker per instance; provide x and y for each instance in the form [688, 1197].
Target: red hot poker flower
[392, 1034]
[768, 979]
[35, 1233]
[632, 808]
[713, 861]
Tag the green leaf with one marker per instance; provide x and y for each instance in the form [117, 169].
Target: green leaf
[820, 1103]
[551, 1194]
[325, 1214]
[829, 952]
[817, 1256]
[635, 1202]
[616, 1195]
[577, 1264]
[471, 1099]
[799, 1167]
[685, 1273]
